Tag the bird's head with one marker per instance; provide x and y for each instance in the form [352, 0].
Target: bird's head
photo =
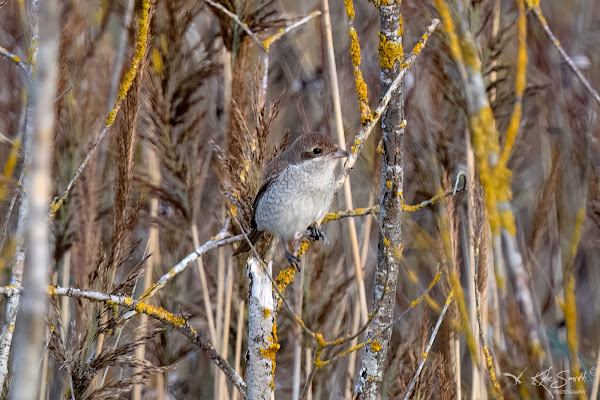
[313, 146]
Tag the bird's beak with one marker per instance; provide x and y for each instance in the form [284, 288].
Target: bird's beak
[340, 153]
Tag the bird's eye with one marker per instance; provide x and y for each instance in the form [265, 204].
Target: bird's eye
[317, 150]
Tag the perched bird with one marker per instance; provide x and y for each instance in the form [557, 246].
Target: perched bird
[296, 192]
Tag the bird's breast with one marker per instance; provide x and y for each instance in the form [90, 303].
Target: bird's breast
[296, 199]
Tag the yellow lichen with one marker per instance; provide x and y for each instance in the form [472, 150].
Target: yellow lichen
[9, 167]
[266, 313]
[157, 62]
[400, 26]
[285, 277]
[161, 314]
[135, 63]
[354, 47]
[513, 126]
[389, 52]
[269, 351]
[51, 290]
[444, 11]
[303, 248]
[379, 3]
[269, 41]
[349, 9]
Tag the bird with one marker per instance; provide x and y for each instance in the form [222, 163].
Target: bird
[296, 190]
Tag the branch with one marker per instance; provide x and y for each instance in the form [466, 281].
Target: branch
[366, 129]
[538, 13]
[222, 239]
[4, 53]
[30, 333]
[263, 45]
[21, 248]
[158, 313]
[262, 331]
[237, 19]
[428, 348]
[322, 344]
[269, 41]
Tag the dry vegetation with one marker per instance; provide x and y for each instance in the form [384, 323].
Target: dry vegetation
[514, 256]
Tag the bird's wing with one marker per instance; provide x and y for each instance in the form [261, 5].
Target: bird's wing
[271, 172]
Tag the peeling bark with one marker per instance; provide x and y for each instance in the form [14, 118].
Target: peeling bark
[262, 332]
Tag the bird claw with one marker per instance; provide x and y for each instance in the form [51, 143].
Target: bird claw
[316, 234]
[292, 259]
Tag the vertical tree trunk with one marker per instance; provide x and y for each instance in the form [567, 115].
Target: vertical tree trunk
[31, 327]
[262, 336]
[392, 180]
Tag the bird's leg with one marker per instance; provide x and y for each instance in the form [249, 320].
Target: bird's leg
[315, 233]
[291, 259]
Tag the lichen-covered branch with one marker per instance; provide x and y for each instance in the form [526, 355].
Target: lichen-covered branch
[374, 360]
[535, 6]
[140, 51]
[367, 128]
[495, 176]
[262, 332]
[14, 58]
[158, 313]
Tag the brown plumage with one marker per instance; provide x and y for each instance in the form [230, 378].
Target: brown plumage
[315, 151]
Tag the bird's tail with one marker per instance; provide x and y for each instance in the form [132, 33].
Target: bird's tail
[245, 246]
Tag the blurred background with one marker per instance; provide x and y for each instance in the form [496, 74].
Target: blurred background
[192, 141]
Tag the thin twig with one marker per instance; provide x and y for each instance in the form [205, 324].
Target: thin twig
[538, 13]
[4, 53]
[237, 19]
[428, 348]
[269, 41]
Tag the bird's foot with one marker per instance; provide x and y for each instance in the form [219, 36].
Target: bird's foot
[316, 234]
[292, 259]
